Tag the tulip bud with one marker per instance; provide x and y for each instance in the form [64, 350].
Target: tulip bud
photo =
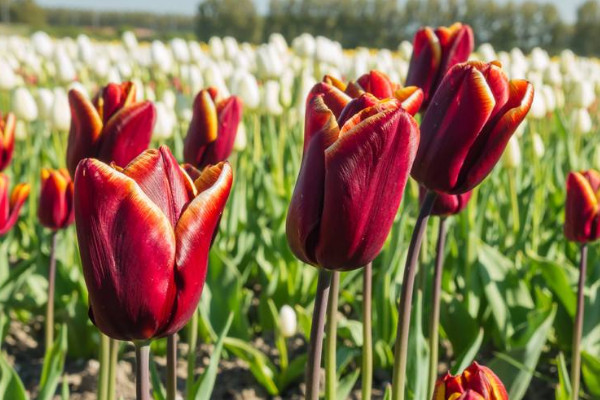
[8, 78]
[129, 40]
[145, 286]
[435, 52]
[241, 139]
[287, 321]
[45, 103]
[538, 145]
[55, 209]
[211, 134]
[304, 45]
[463, 137]
[582, 212]
[347, 196]
[165, 121]
[24, 105]
[475, 383]
[61, 114]
[246, 88]
[271, 102]
[7, 139]
[538, 106]
[581, 121]
[512, 154]
[10, 205]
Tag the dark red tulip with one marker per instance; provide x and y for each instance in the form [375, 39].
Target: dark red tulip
[55, 209]
[352, 178]
[11, 205]
[144, 234]
[446, 204]
[212, 131]
[475, 383]
[113, 127]
[434, 53]
[7, 139]
[582, 211]
[463, 137]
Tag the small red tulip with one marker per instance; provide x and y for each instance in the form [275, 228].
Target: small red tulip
[7, 139]
[144, 233]
[475, 383]
[55, 209]
[11, 205]
[352, 178]
[112, 128]
[212, 131]
[582, 211]
[463, 137]
[434, 53]
[446, 205]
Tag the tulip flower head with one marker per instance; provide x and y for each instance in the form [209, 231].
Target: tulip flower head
[463, 137]
[582, 209]
[211, 134]
[7, 139]
[144, 233]
[357, 155]
[11, 205]
[475, 383]
[55, 209]
[446, 205]
[435, 51]
[113, 127]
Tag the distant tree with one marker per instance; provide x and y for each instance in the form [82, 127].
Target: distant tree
[27, 12]
[587, 29]
[237, 18]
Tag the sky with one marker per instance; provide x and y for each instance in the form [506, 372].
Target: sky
[566, 7]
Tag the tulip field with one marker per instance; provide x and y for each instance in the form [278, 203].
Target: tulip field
[301, 240]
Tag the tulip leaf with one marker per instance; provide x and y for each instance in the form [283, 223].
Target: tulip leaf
[260, 366]
[563, 389]
[464, 359]
[556, 277]
[11, 386]
[158, 390]
[418, 361]
[54, 362]
[591, 373]
[346, 384]
[204, 387]
[293, 373]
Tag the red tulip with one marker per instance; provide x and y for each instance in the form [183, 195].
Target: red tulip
[55, 209]
[212, 131]
[351, 181]
[582, 211]
[476, 383]
[144, 234]
[477, 111]
[7, 139]
[446, 204]
[434, 53]
[10, 206]
[112, 128]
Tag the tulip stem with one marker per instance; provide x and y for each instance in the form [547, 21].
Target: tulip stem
[435, 304]
[51, 288]
[367, 350]
[112, 371]
[316, 335]
[171, 366]
[330, 339]
[142, 370]
[404, 308]
[514, 200]
[104, 367]
[191, 356]
[578, 327]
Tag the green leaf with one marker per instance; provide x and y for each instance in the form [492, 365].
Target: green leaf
[294, 372]
[158, 390]
[204, 387]
[346, 385]
[11, 386]
[563, 389]
[591, 373]
[54, 363]
[555, 276]
[464, 359]
[261, 367]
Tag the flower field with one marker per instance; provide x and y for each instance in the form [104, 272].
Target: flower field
[511, 268]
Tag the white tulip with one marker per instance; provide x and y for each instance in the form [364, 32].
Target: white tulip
[538, 145]
[231, 48]
[245, 86]
[20, 130]
[487, 53]
[538, 106]
[214, 77]
[582, 95]
[45, 101]
[169, 98]
[61, 113]
[278, 41]
[268, 62]
[287, 87]
[161, 56]
[217, 49]
[85, 49]
[406, 49]
[521, 128]
[129, 40]
[549, 98]
[304, 45]
[65, 69]
[512, 154]
[24, 105]
[581, 122]
[180, 50]
[241, 140]
[271, 98]
[539, 59]
[287, 321]
[165, 121]
[8, 78]
[80, 88]
[42, 43]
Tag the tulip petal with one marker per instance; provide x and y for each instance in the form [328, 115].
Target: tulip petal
[85, 131]
[7, 140]
[425, 61]
[162, 180]
[333, 81]
[334, 98]
[127, 249]
[17, 199]
[53, 210]
[356, 105]
[581, 208]
[490, 144]
[378, 84]
[463, 104]
[203, 129]
[496, 387]
[319, 117]
[194, 233]
[366, 171]
[127, 133]
[4, 199]
[411, 98]
[230, 114]
[457, 43]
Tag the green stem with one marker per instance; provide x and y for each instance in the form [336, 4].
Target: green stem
[104, 367]
[171, 366]
[112, 371]
[435, 304]
[316, 335]
[514, 200]
[191, 356]
[51, 288]
[142, 371]
[367, 349]
[330, 339]
[578, 327]
[404, 308]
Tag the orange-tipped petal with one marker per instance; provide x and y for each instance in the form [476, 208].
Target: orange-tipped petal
[85, 131]
[203, 129]
[334, 98]
[55, 209]
[16, 201]
[333, 81]
[411, 98]
[378, 84]
[7, 140]
[581, 209]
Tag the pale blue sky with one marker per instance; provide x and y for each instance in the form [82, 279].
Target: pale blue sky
[567, 7]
